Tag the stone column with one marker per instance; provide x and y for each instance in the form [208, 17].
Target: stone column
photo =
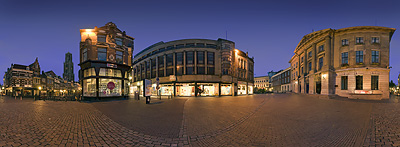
[205, 63]
[156, 66]
[174, 63]
[314, 58]
[165, 65]
[195, 62]
[184, 63]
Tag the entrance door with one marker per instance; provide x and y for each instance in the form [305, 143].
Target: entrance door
[318, 87]
[307, 87]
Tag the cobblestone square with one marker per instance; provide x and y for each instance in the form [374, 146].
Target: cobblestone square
[255, 120]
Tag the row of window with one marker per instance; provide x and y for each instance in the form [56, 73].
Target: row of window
[102, 55]
[103, 72]
[188, 45]
[360, 40]
[359, 82]
[190, 70]
[118, 41]
[360, 57]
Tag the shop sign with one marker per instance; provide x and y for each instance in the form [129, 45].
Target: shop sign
[111, 85]
[147, 87]
[172, 78]
[111, 65]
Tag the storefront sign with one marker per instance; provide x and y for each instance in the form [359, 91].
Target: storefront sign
[147, 87]
[111, 65]
[172, 78]
[111, 85]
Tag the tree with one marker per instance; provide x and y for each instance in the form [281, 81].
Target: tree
[392, 84]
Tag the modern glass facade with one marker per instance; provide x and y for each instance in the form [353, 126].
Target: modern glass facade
[193, 67]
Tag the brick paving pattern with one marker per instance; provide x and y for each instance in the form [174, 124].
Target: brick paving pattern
[256, 120]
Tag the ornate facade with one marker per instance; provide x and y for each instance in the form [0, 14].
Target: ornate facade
[351, 62]
[105, 60]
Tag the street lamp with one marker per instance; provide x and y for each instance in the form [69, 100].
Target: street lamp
[40, 88]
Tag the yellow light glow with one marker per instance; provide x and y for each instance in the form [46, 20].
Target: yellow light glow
[130, 78]
[40, 88]
[88, 30]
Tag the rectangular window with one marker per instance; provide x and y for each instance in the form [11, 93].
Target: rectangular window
[359, 40]
[344, 83]
[179, 70]
[210, 58]
[170, 71]
[302, 59]
[179, 58]
[102, 54]
[374, 82]
[375, 40]
[320, 63]
[200, 57]
[101, 38]
[345, 58]
[359, 82]
[189, 58]
[309, 66]
[201, 45]
[153, 64]
[310, 54]
[189, 70]
[201, 70]
[359, 56]
[211, 46]
[160, 61]
[84, 54]
[375, 57]
[119, 57]
[118, 41]
[345, 42]
[160, 72]
[179, 46]
[321, 48]
[302, 71]
[170, 60]
[189, 45]
[210, 71]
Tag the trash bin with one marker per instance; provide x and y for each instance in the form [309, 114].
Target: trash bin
[147, 100]
[137, 95]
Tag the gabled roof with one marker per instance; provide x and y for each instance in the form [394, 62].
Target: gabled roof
[310, 36]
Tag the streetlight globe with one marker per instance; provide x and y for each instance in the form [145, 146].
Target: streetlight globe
[40, 88]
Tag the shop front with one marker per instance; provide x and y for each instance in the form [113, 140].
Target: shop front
[250, 87]
[242, 88]
[226, 89]
[185, 89]
[208, 89]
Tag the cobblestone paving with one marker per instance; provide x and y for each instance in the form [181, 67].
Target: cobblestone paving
[257, 120]
[384, 127]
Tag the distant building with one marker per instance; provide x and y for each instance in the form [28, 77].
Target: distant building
[105, 60]
[263, 82]
[281, 81]
[195, 67]
[68, 68]
[351, 62]
[18, 80]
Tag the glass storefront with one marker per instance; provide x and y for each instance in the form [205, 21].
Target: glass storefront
[226, 89]
[106, 84]
[250, 88]
[183, 89]
[208, 89]
[126, 87]
[242, 88]
[89, 87]
[166, 89]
